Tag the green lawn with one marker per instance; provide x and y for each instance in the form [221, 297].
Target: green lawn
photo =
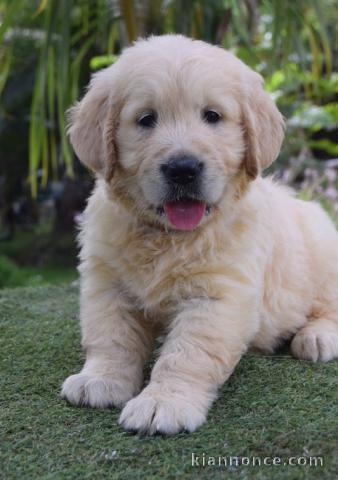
[271, 406]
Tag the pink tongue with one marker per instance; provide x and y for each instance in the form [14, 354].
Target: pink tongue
[185, 214]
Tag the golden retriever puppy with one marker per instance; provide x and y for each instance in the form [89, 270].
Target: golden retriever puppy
[183, 238]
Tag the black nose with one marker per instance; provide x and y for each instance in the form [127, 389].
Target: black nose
[182, 170]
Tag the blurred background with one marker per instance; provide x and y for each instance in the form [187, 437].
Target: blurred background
[48, 50]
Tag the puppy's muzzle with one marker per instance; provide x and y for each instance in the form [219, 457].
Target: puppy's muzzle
[182, 170]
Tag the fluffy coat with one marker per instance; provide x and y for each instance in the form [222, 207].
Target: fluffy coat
[261, 267]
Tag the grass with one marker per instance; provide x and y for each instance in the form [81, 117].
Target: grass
[12, 275]
[271, 406]
[48, 274]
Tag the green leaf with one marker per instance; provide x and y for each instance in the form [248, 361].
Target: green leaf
[325, 144]
[102, 61]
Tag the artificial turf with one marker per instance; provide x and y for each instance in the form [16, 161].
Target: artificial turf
[271, 407]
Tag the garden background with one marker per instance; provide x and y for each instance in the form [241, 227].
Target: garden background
[48, 50]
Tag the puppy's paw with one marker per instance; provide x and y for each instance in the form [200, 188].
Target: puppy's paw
[95, 391]
[317, 346]
[155, 411]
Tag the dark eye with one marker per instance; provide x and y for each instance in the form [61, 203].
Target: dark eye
[147, 120]
[211, 116]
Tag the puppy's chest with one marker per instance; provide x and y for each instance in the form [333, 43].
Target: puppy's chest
[159, 276]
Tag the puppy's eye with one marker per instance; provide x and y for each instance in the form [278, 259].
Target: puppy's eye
[211, 116]
[147, 120]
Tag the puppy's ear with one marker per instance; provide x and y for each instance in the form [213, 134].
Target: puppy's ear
[263, 128]
[92, 125]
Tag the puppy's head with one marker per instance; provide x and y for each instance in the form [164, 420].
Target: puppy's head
[174, 126]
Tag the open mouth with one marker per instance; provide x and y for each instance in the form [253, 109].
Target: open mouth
[184, 214]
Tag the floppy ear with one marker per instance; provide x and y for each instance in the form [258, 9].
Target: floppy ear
[92, 126]
[263, 128]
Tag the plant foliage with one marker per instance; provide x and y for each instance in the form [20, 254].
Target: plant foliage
[290, 43]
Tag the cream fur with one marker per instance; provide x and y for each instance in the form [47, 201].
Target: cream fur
[260, 268]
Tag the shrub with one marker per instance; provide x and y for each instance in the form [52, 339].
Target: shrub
[10, 274]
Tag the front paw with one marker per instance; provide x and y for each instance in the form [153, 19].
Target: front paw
[156, 410]
[315, 345]
[96, 391]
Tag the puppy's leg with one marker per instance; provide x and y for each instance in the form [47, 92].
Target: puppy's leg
[117, 342]
[205, 343]
[317, 341]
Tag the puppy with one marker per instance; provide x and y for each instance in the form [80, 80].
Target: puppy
[182, 237]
